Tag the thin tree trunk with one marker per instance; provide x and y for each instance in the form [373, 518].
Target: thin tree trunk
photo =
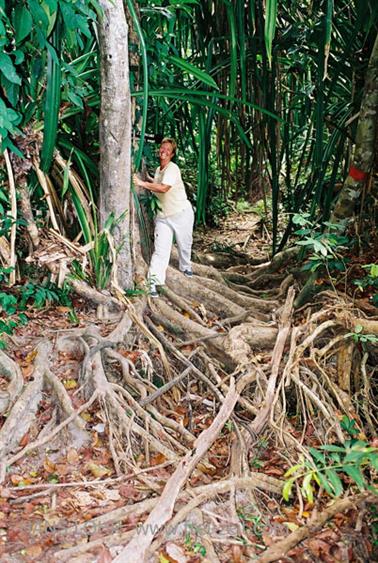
[364, 151]
[115, 132]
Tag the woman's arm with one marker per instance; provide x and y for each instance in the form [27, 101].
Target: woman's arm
[152, 186]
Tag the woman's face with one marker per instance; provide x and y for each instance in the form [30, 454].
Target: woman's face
[165, 153]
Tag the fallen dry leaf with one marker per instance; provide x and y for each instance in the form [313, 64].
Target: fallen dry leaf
[72, 456]
[157, 459]
[49, 465]
[98, 471]
[70, 383]
[83, 498]
[19, 480]
[34, 551]
[128, 490]
[24, 440]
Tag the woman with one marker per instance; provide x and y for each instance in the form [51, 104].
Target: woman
[175, 217]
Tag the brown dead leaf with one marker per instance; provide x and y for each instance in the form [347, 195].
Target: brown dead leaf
[31, 356]
[319, 547]
[51, 518]
[83, 498]
[34, 551]
[273, 471]
[20, 480]
[27, 370]
[157, 459]
[96, 440]
[129, 491]
[206, 468]
[49, 465]
[62, 309]
[24, 440]
[107, 495]
[62, 469]
[72, 456]
[98, 471]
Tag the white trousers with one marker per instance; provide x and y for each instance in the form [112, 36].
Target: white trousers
[181, 226]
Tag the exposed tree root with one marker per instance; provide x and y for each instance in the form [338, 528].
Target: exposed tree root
[185, 350]
[23, 411]
[11, 372]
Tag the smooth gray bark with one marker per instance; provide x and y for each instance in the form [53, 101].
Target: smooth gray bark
[115, 132]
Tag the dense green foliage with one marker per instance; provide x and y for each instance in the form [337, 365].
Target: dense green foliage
[282, 112]
[263, 97]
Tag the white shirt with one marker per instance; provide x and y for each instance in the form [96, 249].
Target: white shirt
[174, 200]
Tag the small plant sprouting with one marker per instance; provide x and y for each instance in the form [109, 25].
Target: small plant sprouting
[334, 466]
[325, 246]
[358, 336]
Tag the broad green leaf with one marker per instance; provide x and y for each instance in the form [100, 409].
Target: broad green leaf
[307, 488]
[331, 448]
[323, 481]
[374, 460]
[270, 26]
[51, 106]
[51, 12]
[318, 456]
[19, 56]
[287, 488]
[22, 22]
[6, 143]
[183, 2]
[354, 456]
[293, 469]
[8, 69]
[40, 18]
[75, 99]
[194, 71]
[335, 481]
[354, 473]
[374, 270]
[11, 89]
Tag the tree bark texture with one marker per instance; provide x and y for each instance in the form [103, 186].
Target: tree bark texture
[115, 132]
[364, 152]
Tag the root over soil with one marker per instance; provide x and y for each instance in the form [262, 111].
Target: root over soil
[184, 390]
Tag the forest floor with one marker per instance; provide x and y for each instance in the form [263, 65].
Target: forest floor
[82, 493]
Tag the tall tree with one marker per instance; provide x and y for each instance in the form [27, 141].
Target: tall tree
[366, 136]
[115, 133]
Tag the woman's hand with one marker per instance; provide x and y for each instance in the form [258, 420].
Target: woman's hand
[137, 181]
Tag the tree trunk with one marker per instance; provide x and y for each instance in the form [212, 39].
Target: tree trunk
[115, 132]
[365, 144]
